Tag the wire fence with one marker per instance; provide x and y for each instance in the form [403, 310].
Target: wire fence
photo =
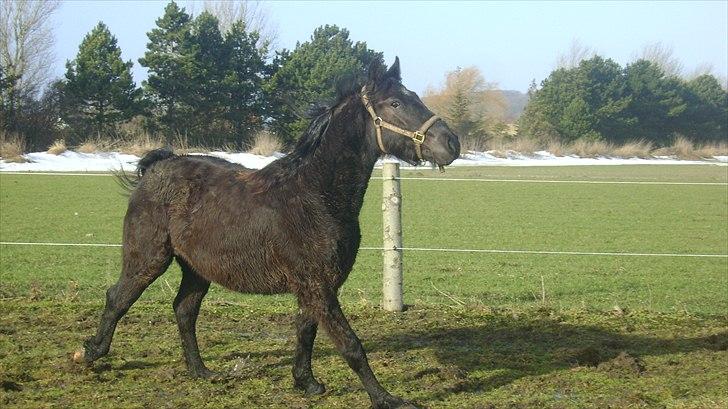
[489, 180]
[442, 250]
[446, 250]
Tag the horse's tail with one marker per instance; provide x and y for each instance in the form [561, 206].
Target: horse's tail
[151, 158]
[130, 182]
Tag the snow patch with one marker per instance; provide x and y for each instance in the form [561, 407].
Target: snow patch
[70, 161]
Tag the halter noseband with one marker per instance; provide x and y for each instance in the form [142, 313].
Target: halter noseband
[418, 136]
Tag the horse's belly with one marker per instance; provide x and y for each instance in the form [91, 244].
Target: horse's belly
[244, 270]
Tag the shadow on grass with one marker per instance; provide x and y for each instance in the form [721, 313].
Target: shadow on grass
[515, 348]
[502, 349]
[478, 354]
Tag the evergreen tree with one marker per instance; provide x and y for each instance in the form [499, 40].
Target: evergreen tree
[601, 85]
[170, 61]
[587, 101]
[656, 101]
[310, 73]
[205, 86]
[206, 69]
[98, 87]
[242, 88]
[600, 100]
[706, 116]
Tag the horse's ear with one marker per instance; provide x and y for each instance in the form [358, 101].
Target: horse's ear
[393, 71]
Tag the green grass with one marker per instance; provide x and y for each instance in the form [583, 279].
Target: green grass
[619, 331]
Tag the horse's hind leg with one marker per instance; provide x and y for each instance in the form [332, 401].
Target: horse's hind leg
[146, 255]
[192, 290]
[302, 374]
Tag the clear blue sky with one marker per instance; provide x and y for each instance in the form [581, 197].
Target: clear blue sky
[511, 42]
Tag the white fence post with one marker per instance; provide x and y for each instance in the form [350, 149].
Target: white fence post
[392, 228]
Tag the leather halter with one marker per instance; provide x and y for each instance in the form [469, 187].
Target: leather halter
[418, 136]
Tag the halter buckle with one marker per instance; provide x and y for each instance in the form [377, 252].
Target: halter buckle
[378, 121]
[418, 137]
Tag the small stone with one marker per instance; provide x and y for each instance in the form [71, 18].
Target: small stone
[78, 356]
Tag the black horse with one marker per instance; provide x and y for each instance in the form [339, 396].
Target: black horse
[291, 227]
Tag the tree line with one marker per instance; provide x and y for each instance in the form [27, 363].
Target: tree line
[212, 84]
[599, 100]
[213, 81]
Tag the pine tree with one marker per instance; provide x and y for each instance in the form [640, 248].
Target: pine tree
[205, 86]
[310, 73]
[707, 115]
[170, 61]
[242, 88]
[207, 70]
[98, 87]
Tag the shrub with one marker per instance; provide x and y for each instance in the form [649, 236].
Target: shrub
[710, 150]
[12, 147]
[140, 144]
[57, 147]
[98, 144]
[681, 148]
[265, 144]
[589, 148]
[638, 149]
[557, 148]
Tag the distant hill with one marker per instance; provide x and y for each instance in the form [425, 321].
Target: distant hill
[516, 103]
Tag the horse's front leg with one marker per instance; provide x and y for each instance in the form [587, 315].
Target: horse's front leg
[327, 311]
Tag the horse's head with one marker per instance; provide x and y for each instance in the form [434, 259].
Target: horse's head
[404, 127]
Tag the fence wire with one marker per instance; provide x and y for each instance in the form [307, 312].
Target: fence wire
[443, 250]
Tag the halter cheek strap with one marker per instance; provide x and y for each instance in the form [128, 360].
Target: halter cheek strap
[418, 136]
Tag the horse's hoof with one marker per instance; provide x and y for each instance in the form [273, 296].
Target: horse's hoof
[207, 374]
[311, 388]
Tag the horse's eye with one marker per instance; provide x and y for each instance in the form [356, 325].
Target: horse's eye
[395, 104]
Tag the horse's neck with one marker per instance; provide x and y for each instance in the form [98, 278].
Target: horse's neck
[344, 161]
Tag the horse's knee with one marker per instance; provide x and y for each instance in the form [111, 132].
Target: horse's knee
[121, 296]
[111, 294]
[114, 303]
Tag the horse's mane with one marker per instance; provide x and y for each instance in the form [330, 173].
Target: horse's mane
[321, 113]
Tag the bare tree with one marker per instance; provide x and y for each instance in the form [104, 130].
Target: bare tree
[469, 103]
[701, 69]
[661, 55]
[251, 12]
[577, 53]
[707, 69]
[26, 45]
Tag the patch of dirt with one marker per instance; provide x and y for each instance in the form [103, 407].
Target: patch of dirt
[623, 363]
[9, 386]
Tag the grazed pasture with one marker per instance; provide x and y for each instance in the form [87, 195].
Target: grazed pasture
[482, 330]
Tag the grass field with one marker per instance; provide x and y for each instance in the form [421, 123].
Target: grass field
[482, 330]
